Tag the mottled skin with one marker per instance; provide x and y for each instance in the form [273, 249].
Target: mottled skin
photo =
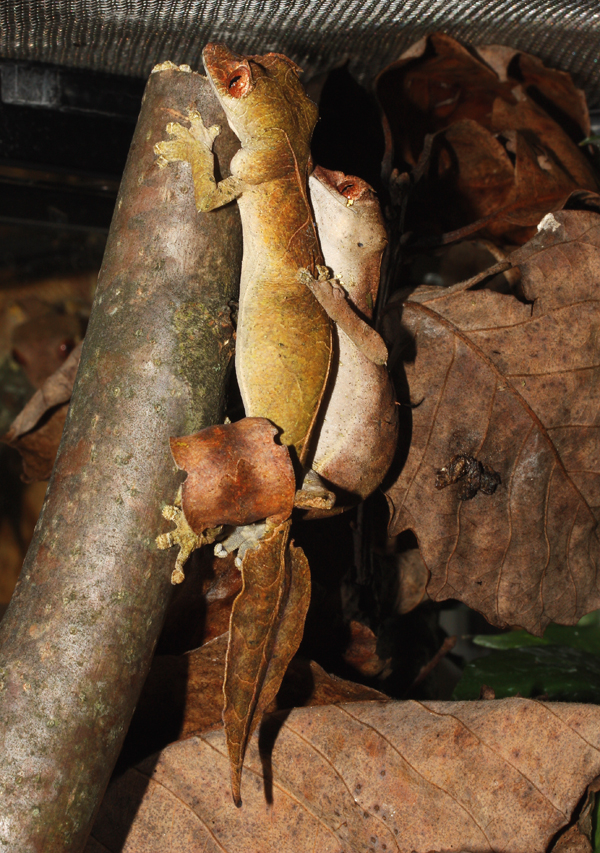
[284, 336]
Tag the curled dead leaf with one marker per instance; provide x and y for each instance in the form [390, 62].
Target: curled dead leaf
[42, 344]
[237, 474]
[501, 154]
[412, 580]
[361, 652]
[267, 621]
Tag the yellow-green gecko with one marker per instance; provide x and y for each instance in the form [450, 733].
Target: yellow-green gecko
[286, 342]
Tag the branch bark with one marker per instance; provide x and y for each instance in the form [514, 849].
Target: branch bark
[77, 640]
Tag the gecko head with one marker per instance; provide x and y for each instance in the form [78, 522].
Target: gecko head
[261, 95]
[229, 73]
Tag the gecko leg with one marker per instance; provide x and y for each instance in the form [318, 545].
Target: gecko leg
[193, 145]
[333, 298]
[183, 536]
[313, 494]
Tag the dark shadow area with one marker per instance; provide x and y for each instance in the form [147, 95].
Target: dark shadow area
[159, 714]
[296, 689]
[184, 626]
[120, 806]
[267, 735]
[329, 548]
[348, 136]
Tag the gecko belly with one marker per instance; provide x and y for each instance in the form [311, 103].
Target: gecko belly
[282, 361]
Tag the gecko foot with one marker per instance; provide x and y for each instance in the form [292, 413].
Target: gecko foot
[325, 274]
[313, 493]
[330, 294]
[185, 538]
[244, 538]
[199, 131]
[326, 283]
[185, 142]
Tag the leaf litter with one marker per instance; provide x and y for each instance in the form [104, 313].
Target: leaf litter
[507, 380]
[491, 124]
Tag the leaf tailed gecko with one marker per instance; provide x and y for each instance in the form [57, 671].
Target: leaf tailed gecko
[286, 342]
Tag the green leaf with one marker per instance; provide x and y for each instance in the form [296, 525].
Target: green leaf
[596, 825]
[585, 636]
[592, 618]
[591, 140]
[564, 674]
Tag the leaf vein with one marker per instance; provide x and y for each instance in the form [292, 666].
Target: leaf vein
[419, 772]
[187, 806]
[305, 805]
[328, 761]
[502, 757]
[458, 333]
[548, 548]
[431, 428]
[547, 707]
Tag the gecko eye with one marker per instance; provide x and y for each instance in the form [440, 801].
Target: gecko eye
[239, 82]
[351, 190]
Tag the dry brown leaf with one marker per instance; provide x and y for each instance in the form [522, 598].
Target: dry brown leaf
[412, 580]
[41, 345]
[514, 197]
[237, 474]
[501, 153]
[16, 530]
[37, 430]
[553, 89]
[306, 683]
[486, 174]
[577, 838]
[437, 81]
[21, 301]
[56, 389]
[513, 384]
[394, 776]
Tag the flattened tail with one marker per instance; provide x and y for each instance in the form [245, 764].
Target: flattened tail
[267, 621]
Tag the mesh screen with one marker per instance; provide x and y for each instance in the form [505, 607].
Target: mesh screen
[130, 36]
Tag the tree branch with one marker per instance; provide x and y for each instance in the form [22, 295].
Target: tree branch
[77, 640]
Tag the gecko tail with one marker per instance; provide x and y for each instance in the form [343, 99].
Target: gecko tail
[267, 621]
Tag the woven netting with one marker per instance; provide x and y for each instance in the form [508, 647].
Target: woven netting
[130, 36]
